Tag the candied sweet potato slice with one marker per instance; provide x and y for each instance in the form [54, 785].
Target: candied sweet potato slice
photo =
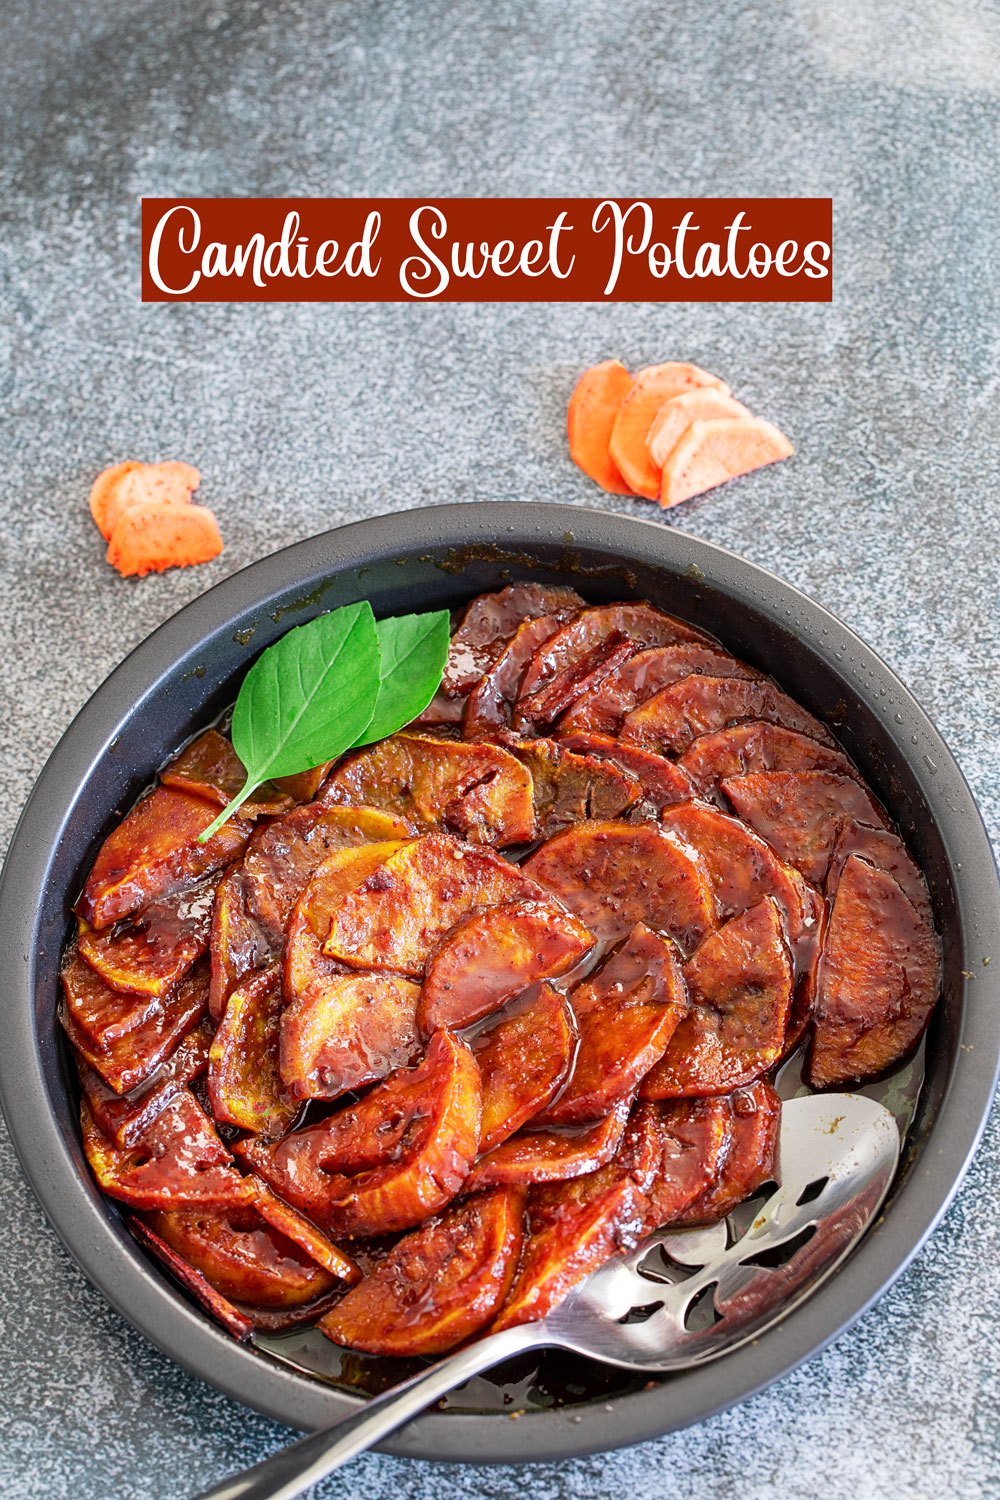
[490, 621]
[757, 745]
[643, 624]
[391, 1160]
[489, 706]
[296, 1227]
[440, 1284]
[244, 1084]
[626, 1013]
[105, 1015]
[572, 681]
[661, 780]
[800, 812]
[716, 449]
[178, 1161]
[555, 1155]
[593, 408]
[154, 851]
[568, 787]
[156, 948]
[879, 978]
[650, 388]
[749, 1157]
[478, 790]
[397, 916]
[131, 1059]
[614, 875]
[740, 984]
[306, 965]
[238, 943]
[491, 956]
[348, 1030]
[123, 1117]
[210, 768]
[676, 415]
[604, 707]
[523, 1059]
[886, 851]
[303, 785]
[693, 1135]
[577, 1225]
[698, 704]
[195, 1282]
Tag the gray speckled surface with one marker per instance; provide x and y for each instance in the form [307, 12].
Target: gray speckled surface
[303, 417]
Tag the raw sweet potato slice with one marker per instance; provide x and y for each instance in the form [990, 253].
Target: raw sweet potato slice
[244, 1085]
[489, 707]
[154, 851]
[626, 1013]
[178, 1161]
[593, 408]
[799, 812]
[661, 780]
[490, 621]
[397, 916]
[210, 768]
[676, 415]
[574, 680]
[537, 1155]
[156, 948]
[132, 1058]
[743, 867]
[491, 956]
[348, 1030]
[749, 1157]
[123, 1117]
[523, 1059]
[604, 707]
[242, 1255]
[614, 875]
[879, 979]
[103, 1014]
[440, 1284]
[479, 791]
[152, 535]
[643, 624]
[105, 505]
[740, 983]
[238, 944]
[671, 719]
[650, 389]
[693, 1137]
[717, 449]
[756, 745]
[575, 1226]
[125, 484]
[235, 1322]
[389, 1161]
[886, 852]
[567, 787]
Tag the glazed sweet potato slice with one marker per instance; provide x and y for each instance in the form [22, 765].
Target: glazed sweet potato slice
[303, 785]
[749, 1156]
[348, 1030]
[490, 621]
[879, 979]
[244, 1084]
[398, 916]
[575, 1226]
[210, 768]
[535, 1156]
[642, 624]
[238, 943]
[799, 813]
[440, 1284]
[123, 1117]
[132, 1058]
[886, 852]
[716, 449]
[523, 1060]
[236, 1322]
[740, 984]
[614, 875]
[574, 680]
[488, 709]
[154, 851]
[297, 1228]
[568, 787]
[756, 745]
[743, 867]
[698, 704]
[178, 1161]
[676, 415]
[661, 780]
[626, 1013]
[693, 1136]
[604, 707]
[103, 1014]
[389, 1161]
[480, 791]
[158, 945]
[650, 388]
[593, 408]
[491, 956]
[306, 965]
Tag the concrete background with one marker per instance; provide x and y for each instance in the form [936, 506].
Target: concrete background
[301, 418]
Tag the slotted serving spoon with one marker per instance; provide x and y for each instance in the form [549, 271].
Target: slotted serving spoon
[650, 1310]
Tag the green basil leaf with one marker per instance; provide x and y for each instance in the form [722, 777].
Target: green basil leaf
[306, 699]
[414, 650]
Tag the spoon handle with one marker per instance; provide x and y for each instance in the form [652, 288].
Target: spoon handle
[295, 1469]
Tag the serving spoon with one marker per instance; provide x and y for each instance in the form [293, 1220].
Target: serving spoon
[650, 1310]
